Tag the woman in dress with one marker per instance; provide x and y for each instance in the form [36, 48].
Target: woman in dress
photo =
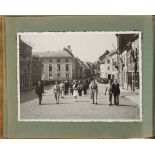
[62, 89]
[75, 90]
[109, 90]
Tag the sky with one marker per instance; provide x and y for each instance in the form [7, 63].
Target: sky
[87, 46]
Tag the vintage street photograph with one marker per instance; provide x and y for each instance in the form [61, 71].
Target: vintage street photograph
[79, 76]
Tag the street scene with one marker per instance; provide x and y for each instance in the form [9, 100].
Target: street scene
[82, 109]
[79, 76]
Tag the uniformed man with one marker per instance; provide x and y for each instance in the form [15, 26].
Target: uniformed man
[94, 91]
[56, 91]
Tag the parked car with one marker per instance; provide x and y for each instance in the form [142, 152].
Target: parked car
[102, 80]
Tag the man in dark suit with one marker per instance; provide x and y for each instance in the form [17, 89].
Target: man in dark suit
[116, 92]
[39, 91]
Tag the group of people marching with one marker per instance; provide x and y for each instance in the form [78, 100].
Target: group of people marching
[76, 88]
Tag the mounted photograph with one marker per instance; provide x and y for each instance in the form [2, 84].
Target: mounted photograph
[92, 76]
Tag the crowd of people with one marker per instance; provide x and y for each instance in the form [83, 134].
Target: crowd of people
[76, 87]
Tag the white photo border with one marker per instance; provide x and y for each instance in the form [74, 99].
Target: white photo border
[81, 120]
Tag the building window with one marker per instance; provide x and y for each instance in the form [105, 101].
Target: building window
[67, 76]
[50, 67]
[130, 58]
[126, 59]
[108, 61]
[67, 67]
[50, 59]
[58, 67]
[58, 75]
[108, 68]
[58, 60]
[50, 75]
[67, 60]
[42, 68]
[28, 68]
[136, 54]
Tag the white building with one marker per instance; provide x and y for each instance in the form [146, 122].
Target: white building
[113, 65]
[129, 61]
[105, 68]
[57, 65]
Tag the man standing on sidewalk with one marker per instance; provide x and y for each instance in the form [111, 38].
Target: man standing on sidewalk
[94, 91]
[116, 92]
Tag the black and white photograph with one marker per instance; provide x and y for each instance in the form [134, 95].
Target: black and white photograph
[79, 76]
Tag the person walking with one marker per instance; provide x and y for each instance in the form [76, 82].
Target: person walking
[56, 91]
[75, 90]
[94, 91]
[39, 91]
[80, 88]
[65, 83]
[85, 87]
[66, 87]
[62, 89]
[42, 83]
[71, 87]
[109, 89]
[116, 92]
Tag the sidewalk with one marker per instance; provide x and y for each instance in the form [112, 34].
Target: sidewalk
[132, 95]
[30, 94]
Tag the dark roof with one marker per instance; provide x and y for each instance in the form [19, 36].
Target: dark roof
[90, 64]
[125, 39]
[55, 54]
[25, 44]
[86, 65]
[103, 56]
[112, 52]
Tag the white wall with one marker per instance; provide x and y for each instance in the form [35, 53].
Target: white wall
[62, 71]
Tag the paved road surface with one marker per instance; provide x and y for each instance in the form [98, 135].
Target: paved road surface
[83, 109]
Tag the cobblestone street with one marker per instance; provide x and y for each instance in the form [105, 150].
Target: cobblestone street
[83, 109]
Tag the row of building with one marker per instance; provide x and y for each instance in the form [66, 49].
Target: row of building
[63, 65]
[29, 66]
[123, 63]
[51, 66]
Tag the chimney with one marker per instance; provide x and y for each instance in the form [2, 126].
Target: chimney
[69, 48]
